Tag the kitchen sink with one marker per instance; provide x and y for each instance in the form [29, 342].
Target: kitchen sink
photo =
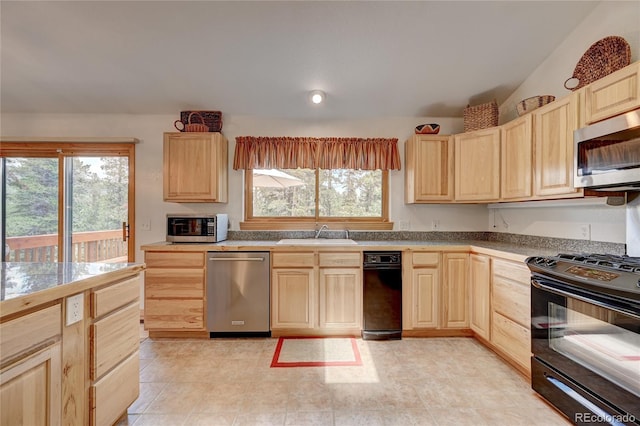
[318, 242]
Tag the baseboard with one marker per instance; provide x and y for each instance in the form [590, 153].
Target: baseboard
[462, 332]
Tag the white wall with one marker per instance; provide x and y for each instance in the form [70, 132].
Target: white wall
[621, 18]
[149, 128]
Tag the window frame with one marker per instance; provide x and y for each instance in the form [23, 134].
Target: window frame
[307, 223]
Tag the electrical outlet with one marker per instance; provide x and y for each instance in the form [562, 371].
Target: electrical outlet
[435, 225]
[75, 308]
[404, 225]
[585, 231]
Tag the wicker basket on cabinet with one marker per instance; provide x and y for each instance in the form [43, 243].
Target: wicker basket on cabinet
[480, 116]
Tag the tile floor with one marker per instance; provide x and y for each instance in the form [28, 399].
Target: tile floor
[436, 381]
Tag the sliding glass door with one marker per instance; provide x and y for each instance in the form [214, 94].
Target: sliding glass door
[30, 209]
[74, 206]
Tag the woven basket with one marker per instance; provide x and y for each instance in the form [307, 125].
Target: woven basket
[602, 58]
[480, 116]
[213, 119]
[192, 127]
[533, 102]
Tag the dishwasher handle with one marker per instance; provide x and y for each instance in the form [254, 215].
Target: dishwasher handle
[237, 259]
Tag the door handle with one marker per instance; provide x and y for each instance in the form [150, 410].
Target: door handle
[125, 231]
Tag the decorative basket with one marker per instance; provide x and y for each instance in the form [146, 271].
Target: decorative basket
[192, 127]
[480, 116]
[427, 129]
[602, 58]
[533, 102]
[213, 119]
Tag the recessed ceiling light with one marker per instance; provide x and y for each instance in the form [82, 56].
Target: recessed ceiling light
[317, 96]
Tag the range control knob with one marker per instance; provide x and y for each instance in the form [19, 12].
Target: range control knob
[551, 262]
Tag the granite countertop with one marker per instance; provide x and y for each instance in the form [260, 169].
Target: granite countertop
[25, 284]
[521, 251]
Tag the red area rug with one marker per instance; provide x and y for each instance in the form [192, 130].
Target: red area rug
[316, 352]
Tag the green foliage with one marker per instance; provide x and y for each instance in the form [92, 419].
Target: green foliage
[31, 196]
[99, 195]
[343, 193]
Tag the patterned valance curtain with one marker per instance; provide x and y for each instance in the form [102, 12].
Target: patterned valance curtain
[311, 153]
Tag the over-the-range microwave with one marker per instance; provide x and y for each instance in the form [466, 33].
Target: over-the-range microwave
[197, 228]
[607, 154]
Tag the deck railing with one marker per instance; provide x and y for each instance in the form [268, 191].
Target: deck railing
[95, 246]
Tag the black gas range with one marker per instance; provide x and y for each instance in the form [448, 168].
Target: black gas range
[585, 336]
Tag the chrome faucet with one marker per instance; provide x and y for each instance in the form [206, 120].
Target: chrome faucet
[346, 234]
[323, 227]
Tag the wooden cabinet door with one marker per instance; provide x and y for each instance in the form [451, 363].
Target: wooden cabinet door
[553, 148]
[425, 285]
[455, 294]
[614, 94]
[479, 294]
[477, 165]
[340, 298]
[195, 167]
[516, 159]
[30, 390]
[293, 298]
[428, 168]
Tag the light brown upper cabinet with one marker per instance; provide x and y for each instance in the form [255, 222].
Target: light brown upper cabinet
[614, 94]
[554, 124]
[428, 169]
[195, 167]
[477, 165]
[516, 159]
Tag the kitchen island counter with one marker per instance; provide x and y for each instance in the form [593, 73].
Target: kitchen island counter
[69, 331]
[27, 284]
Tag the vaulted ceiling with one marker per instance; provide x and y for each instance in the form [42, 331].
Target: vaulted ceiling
[373, 59]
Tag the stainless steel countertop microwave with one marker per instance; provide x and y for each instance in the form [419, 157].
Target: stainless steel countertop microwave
[197, 228]
[607, 154]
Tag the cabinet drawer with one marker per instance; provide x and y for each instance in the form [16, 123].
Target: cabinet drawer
[512, 299]
[340, 259]
[426, 259]
[29, 333]
[115, 392]
[512, 270]
[174, 314]
[113, 338]
[513, 339]
[174, 259]
[174, 283]
[295, 260]
[109, 298]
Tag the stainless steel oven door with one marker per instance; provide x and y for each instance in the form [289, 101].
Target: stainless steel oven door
[586, 352]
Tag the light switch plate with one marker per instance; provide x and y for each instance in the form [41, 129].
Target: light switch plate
[75, 308]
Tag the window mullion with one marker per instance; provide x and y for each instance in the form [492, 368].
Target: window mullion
[317, 197]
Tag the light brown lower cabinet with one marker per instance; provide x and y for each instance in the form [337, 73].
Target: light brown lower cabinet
[114, 357]
[455, 290]
[174, 292]
[511, 311]
[292, 298]
[435, 295]
[31, 372]
[317, 292]
[480, 294]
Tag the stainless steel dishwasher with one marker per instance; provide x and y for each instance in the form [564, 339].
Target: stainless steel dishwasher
[238, 300]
